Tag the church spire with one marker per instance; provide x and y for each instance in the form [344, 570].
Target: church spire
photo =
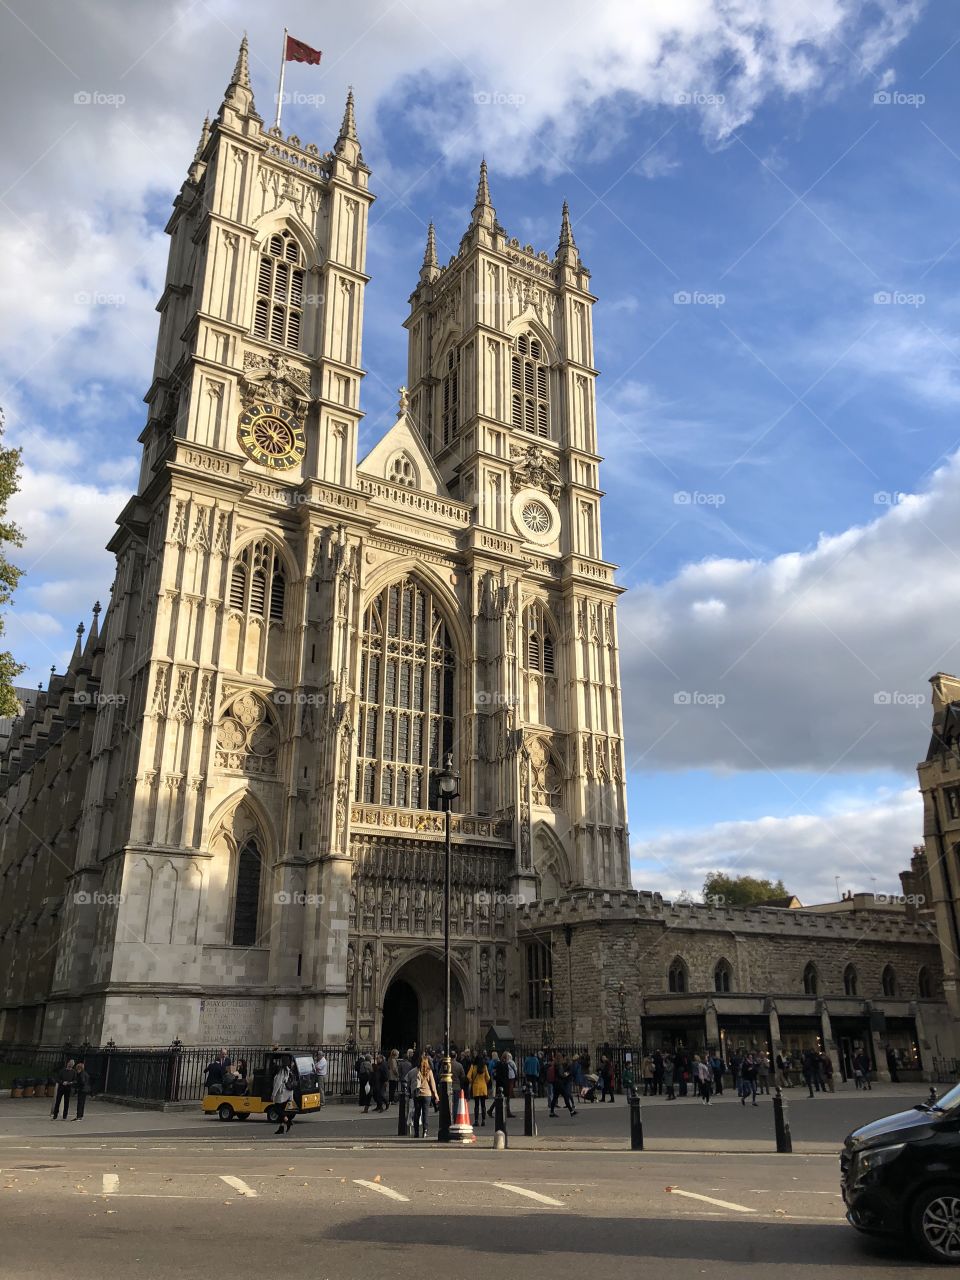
[196, 167]
[431, 268]
[239, 95]
[567, 252]
[348, 144]
[484, 213]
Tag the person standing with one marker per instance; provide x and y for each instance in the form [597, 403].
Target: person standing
[282, 1095]
[606, 1079]
[322, 1068]
[748, 1080]
[668, 1069]
[83, 1089]
[893, 1066]
[763, 1073]
[658, 1072]
[364, 1070]
[811, 1070]
[716, 1066]
[424, 1091]
[65, 1084]
[478, 1077]
[648, 1075]
[531, 1072]
[393, 1076]
[705, 1076]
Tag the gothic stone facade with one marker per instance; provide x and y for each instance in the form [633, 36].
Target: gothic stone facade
[220, 822]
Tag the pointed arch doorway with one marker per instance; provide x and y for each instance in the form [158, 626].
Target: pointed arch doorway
[413, 1006]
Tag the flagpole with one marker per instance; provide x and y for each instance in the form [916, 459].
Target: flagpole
[283, 68]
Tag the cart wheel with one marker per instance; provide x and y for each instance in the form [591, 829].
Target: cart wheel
[243, 1115]
[273, 1114]
[225, 1111]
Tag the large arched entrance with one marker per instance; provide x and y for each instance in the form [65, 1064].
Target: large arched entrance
[413, 1006]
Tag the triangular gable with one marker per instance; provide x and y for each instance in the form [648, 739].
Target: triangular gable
[403, 437]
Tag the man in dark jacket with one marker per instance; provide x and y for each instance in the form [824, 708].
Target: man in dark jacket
[83, 1089]
[380, 1082]
[65, 1082]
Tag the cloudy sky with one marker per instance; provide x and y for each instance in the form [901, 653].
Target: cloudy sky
[768, 196]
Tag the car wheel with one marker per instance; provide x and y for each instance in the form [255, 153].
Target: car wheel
[225, 1111]
[935, 1222]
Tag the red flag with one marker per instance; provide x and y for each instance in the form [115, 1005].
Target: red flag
[297, 51]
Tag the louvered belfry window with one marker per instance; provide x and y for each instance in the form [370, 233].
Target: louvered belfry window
[530, 387]
[407, 701]
[450, 395]
[258, 583]
[278, 313]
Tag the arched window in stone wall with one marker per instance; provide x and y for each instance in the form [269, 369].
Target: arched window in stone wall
[850, 982]
[723, 976]
[925, 983]
[530, 381]
[678, 978]
[246, 901]
[402, 471]
[278, 311]
[258, 584]
[888, 980]
[811, 980]
[407, 696]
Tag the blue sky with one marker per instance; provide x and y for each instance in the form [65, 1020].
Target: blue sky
[796, 175]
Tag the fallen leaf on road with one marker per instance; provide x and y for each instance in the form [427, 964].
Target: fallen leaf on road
[377, 1178]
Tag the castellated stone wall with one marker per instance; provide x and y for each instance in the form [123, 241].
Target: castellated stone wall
[633, 938]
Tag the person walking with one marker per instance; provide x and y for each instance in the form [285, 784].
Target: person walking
[511, 1081]
[811, 1070]
[282, 1094]
[563, 1085]
[379, 1082]
[668, 1068]
[66, 1080]
[364, 1070]
[83, 1090]
[748, 1081]
[479, 1080]
[705, 1076]
[322, 1068]
[826, 1072]
[647, 1075]
[606, 1079]
[424, 1092]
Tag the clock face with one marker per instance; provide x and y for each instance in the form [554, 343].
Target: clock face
[272, 436]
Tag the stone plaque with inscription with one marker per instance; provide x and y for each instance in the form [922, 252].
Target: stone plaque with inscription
[231, 1022]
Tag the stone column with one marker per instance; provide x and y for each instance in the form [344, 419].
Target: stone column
[712, 1026]
[923, 1043]
[829, 1044]
[776, 1043]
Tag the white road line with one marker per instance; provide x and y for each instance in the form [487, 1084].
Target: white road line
[238, 1185]
[532, 1195]
[384, 1191]
[724, 1204]
[111, 1183]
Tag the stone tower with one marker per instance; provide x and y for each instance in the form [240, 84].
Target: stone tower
[296, 639]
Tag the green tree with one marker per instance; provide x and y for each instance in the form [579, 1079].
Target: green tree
[10, 535]
[740, 891]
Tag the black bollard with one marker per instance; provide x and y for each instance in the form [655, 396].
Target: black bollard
[402, 1110]
[636, 1122]
[781, 1123]
[499, 1113]
[529, 1112]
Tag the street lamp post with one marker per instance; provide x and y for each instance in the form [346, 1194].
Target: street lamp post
[447, 791]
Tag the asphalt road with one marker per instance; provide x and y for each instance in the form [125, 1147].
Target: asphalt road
[824, 1120]
[182, 1208]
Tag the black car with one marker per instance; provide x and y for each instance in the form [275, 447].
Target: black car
[901, 1176]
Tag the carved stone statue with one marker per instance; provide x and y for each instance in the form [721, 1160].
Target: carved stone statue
[485, 972]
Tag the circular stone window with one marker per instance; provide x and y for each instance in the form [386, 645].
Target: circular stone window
[536, 518]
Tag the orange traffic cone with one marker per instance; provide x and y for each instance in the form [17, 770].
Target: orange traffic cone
[462, 1130]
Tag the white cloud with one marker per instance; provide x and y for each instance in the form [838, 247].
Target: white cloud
[812, 660]
[90, 181]
[864, 844]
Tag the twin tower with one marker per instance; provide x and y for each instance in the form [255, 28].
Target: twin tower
[296, 637]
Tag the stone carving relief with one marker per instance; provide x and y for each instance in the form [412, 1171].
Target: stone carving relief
[533, 467]
[247, 737]
[274, 378]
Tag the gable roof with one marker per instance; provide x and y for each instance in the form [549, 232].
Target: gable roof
[403, 437]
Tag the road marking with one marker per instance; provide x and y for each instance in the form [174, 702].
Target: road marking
[532, 1195]
[238, 1185]
[384, 1191]
[724, 1204]
[111, 1183]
